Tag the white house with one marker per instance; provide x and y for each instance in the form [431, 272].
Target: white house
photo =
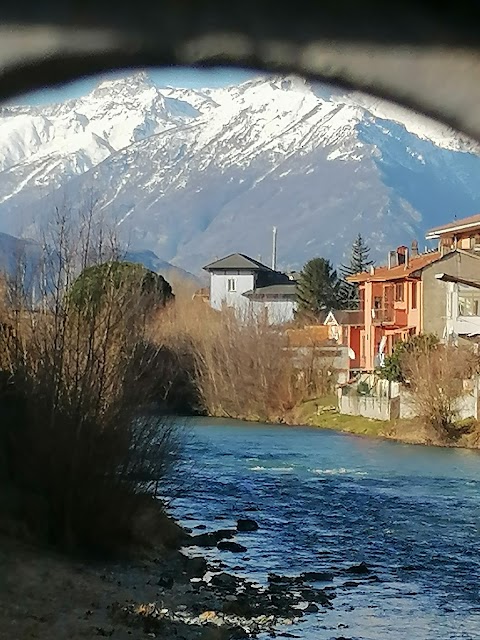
[251, 287]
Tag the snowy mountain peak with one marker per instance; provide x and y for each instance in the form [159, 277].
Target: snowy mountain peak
[130, 84]
[191, 173]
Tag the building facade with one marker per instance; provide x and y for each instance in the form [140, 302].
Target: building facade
[391, 300]
[452, 306]
[434, 292]
[252, 289]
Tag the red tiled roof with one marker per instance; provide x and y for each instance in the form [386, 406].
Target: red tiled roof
[395, 273]
[471, 220]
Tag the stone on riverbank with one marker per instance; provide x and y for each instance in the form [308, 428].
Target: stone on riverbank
[317, 576]
[210, 540]
[225, 581]
[246, 525]
[358, 569]
[234, 547]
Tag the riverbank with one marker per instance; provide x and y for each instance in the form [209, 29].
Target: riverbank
[45, 595]
[322, 413]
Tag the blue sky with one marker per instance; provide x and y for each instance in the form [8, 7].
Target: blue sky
[174, 77]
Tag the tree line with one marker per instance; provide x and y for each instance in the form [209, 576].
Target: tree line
[321, 288]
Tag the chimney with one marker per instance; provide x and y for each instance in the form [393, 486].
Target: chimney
[274, 249]
[406, 257]
[392, 259]
[414, 249]
[401, 254]
[372, 270]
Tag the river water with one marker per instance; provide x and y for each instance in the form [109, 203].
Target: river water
[325, 501]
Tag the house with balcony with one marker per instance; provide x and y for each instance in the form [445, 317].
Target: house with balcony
[461, 234]
[433, 292]
[251, 289]
[391, 303]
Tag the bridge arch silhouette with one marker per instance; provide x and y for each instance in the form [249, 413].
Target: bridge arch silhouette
[422, 56]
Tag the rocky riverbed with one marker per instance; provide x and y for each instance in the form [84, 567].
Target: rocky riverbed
[172, 595]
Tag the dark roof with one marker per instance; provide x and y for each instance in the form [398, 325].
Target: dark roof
[281, 290]
[237, 261]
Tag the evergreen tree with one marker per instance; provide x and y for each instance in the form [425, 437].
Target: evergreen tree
[318, 288]
[91, 288]
[359, 263]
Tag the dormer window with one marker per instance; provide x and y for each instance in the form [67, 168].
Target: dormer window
[231, 284]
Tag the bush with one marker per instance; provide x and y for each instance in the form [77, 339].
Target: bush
[394, 367]
[78, 446]
[436, 379]
[241, 368]
[363, 388]
[90, 290]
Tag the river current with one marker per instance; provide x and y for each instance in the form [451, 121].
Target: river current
[325, 501]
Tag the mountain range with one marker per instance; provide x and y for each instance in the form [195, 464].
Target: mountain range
[189, 175]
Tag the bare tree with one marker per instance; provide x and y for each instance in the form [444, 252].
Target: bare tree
[436, 378]
[82, 442]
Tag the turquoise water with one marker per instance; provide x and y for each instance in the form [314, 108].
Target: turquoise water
[325, 501]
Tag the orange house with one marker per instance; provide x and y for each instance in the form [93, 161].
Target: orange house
[391, 302]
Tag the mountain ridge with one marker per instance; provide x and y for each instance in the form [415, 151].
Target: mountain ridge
[190, 173]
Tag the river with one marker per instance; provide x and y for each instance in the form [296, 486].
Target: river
[326, 500]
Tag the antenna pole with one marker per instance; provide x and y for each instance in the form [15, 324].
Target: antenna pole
[274, 249]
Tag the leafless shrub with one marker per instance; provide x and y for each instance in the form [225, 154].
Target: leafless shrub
[75, 386]
[242, 368]
[436, 378]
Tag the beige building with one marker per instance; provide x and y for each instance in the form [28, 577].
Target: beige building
[450, 308]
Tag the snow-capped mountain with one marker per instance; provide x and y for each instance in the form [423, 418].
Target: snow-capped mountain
[193, 174]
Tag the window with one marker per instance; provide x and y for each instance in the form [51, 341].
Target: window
[469, 303]
[399, 292]
[414, 295]
[377, 302]
[231, 284]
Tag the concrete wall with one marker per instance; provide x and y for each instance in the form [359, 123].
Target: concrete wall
[368, 406]
[434, 298]
[466, 406]
[406, 407]
[219, 294]
[383, 406]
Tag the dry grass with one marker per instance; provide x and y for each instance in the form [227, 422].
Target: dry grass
[241, 369]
